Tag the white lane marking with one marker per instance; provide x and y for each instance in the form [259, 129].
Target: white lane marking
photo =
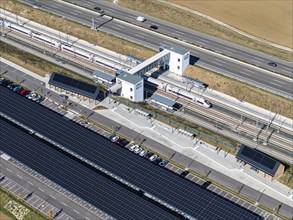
[141, 33]
[52, 196]
[275, 84]
[87, 218]
[221, 61]
[64, 204]
[248, 70]
[19, 176]
[217, 63]
[278, 81]
[9, 170]
[116, 28]
[247, 74]
[41, 190]
[75, 211]
[139, 36]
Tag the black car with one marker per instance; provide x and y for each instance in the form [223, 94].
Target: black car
[5, 82]
[148, 155]
[272, 64]
[154, 27]
[97, 8]
[158, 160]
[184, 173]
[206, 184]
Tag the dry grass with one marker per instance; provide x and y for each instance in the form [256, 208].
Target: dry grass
[4, 217]
[287, 177]
[270, 20]
[95, 37]
[243, 91]
[190, 20]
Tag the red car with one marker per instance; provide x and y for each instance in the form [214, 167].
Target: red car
[22, 92]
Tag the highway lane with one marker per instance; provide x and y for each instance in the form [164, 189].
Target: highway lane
[76, 177]
[190, 198]
[224, 47]
[207, 59]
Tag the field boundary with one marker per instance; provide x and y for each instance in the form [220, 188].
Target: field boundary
[227, 26]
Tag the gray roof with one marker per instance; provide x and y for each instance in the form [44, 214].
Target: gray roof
[129, 78]
[103, 75]
[163, 100]
[258, 160]
[74, 85]
[177, 49]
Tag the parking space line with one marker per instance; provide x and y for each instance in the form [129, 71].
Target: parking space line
[9, 170]
[19, 176]
[75, 211]
[30, 183]
[52, 196]
[36, 201]
[31, 198]
[9, 184]
[17, 189]
[41, 189]
[64, 204]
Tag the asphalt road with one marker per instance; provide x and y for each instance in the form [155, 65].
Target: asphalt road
[35, 85]
[242, 71]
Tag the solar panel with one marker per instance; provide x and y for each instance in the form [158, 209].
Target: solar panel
[74, 85]
[258, 157]
[168, 187]
[248, 152]
[269, 163]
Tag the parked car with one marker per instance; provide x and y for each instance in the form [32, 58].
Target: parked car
[158, 160]
[63, 97]
[148, 155]
[4, 82]
[163, 163]
[31, 95]
[37, 99]
[137, 150]
[22, 92]
[153, 158]
[121, 142]
[11, 86]
[110, 136]
[143, 153]
[184, 173]
[133, 147]
[206, 184]
[114, 139]
[16, 89]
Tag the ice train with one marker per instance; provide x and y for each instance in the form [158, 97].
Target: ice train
[179, 92]
[62, 46]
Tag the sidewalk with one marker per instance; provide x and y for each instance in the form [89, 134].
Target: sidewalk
[202, 152]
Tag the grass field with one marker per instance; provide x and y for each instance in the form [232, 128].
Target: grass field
[5, 217]
[195, 22]
[270, 20]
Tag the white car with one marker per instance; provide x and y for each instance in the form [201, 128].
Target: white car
[143, 153]
[141, 19]
[134, 147]
[137, 150]
[114, 139]
[153, 158]
[31, 95]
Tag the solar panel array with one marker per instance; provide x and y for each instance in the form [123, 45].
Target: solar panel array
[74, 85]
[165, 185]
[78, 178]
[163, 100]
[258, 160]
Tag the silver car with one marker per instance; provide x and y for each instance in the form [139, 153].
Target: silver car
[153, 158]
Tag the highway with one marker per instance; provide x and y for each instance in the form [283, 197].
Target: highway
[150, 178]
[242, 71]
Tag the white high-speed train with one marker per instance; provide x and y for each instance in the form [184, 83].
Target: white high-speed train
[179, 92]
[62, 46]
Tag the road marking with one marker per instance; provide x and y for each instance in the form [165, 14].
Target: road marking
[19, 176]
[247, 74]
[75, 211]
[221, 61]
[278, 81]
[275, 84]
[64, 204]
[139, 36]
[9, 170]
[41, 190]
[217, 63]
[52, 197]
[248, 70]
[86, 218]
[116, 28]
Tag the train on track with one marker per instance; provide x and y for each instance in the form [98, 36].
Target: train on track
[178, 92]
[90, 57]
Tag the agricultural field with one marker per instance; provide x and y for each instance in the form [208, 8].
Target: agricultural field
[270, 20]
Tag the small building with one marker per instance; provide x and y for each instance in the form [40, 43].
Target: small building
[259, 162]
[132, 86]
[74, 87]
[103, 77]
[162, 102]
[179, 58]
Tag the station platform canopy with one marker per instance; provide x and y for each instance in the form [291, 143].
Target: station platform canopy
[74, 85]
[163, 100]
[103, 76]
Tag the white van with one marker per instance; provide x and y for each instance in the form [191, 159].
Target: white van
[141, 19]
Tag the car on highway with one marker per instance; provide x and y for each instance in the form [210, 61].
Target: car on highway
[143, 153]
[63, 97]
[97, 8]
[115, 138]
[141, 18]
[184, 173]
[153, 158]
[273, 64]
[133, 147]
[163, 163]
[154, 27]
[137, 150]
[16, 89]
